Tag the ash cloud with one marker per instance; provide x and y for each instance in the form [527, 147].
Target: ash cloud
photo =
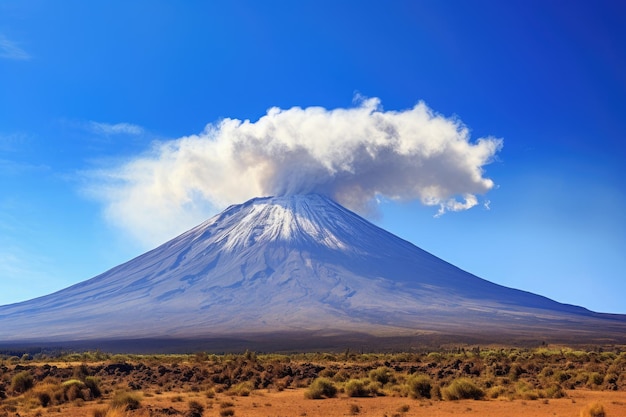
[353, 155]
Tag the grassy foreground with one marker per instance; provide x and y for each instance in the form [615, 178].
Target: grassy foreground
[99, 385]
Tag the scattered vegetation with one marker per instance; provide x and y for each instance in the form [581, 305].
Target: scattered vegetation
[35, 381]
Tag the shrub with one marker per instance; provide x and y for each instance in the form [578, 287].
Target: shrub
[383, 375]
[242, 389]
[227, 412]
[496, 391]
[593, 410]
[341, 376]
[462, 389]
[419, 386]
[195, 409]
[595, 379]
[22, 382]
[48, 394]
[321, 388]
[93, 384]
[126, 400]
[554, 391]
[73, 389]
[435, 392]
[80, 372]
[531, 395]
[44, 398]
[357, 388]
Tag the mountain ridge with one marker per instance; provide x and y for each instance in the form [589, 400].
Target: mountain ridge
[288, 264]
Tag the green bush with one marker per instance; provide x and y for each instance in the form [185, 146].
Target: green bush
[74, 389]
[419, 386]
[22, 382]
[383, 375]
[462, 389]
[320, 388]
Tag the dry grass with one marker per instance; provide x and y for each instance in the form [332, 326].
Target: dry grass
[105, 385]
[594, 409]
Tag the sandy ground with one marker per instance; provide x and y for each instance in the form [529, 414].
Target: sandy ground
[291, 403]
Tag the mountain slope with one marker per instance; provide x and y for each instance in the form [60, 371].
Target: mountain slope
[287, 264]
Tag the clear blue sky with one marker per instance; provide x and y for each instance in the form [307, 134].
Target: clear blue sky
[86, 86]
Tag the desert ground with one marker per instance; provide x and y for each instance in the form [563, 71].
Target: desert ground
[549, 381]
[293, 403]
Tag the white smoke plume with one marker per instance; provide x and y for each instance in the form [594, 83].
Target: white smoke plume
[351, 154]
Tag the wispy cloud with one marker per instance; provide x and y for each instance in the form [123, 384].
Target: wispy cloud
[115, 129]
[12, 141]
[351, 154]
[11, 168]
[11, 50]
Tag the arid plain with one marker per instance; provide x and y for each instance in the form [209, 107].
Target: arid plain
[545, 381]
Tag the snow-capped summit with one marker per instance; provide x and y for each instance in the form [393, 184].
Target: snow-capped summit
[298, 263]
[311, 220]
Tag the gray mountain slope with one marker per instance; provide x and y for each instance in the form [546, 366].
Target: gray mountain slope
[288, 264]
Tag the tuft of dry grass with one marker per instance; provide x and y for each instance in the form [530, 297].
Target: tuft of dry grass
[227, 412]
[22, 382]
[126, 401]
[594, 409]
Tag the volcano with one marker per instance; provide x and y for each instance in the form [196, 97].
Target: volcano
[298, 265]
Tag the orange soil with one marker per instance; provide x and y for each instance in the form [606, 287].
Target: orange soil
[291, 402]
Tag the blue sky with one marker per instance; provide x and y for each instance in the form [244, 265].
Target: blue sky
[87, 88]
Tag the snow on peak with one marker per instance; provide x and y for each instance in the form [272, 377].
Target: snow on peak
[295, 219]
